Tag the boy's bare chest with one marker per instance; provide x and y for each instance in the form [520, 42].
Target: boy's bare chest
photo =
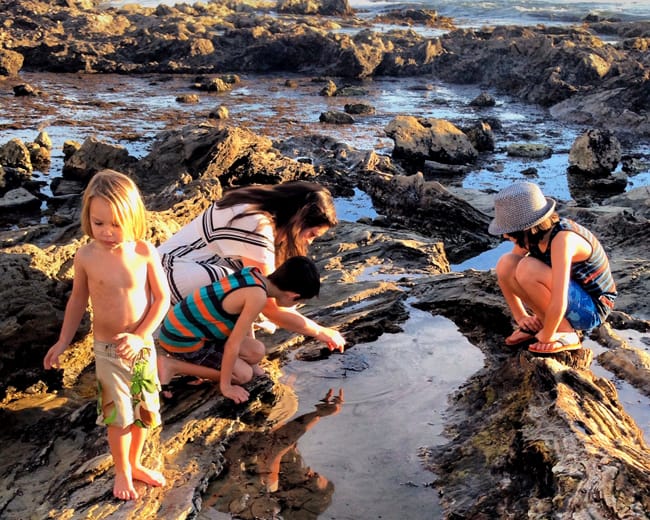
[125, 273]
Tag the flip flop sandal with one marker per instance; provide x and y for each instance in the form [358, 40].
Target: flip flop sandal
[566, 341]
[520, 336]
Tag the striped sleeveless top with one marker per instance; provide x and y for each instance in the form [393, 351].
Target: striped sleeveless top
[201, 317]
[593, 274]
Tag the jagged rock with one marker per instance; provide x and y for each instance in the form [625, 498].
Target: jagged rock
[419, 139]
[335, 117]
[529, 150]
[595, 152]
[230, 154]
[16, 155]
[481, 136]
[10, 62]
[359, 109]
[39, 156]
[94, 155]
[324, 7]
[483, 100]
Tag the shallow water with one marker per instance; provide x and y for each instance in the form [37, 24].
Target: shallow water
[395, 396]
[131, 111]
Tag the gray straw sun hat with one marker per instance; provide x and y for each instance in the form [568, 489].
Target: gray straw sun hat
[519, 207]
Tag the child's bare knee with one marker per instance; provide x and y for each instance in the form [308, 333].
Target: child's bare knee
[507, 265]
[242, 373]
[257, 352]
[254, 353]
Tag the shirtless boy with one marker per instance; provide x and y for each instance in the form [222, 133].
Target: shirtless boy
[121, 275]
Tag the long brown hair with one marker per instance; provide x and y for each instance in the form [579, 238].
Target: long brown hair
[292, 207]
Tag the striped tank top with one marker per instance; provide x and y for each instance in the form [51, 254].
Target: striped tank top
[593, 274]
[200, 317]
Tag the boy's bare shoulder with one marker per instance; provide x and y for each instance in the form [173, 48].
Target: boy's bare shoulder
[86, 251]
[145, 248]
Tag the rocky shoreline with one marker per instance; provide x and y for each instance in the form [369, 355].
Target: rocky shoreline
[539, 437]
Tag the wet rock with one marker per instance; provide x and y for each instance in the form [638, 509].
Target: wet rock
[420, 139]
[595, 152]
[329, 89]
[39, 156]
[25, 90]
[481, 136]
[94, 155]
[529, 150]
[10, 62]
[11, 178]
[70, 148]
[323, 7]
[483, 100]
[410, 199]
[359, 109]
[18, 200]
[336, 118]
[216, 84]
[221, 112]
[410, 16]
[188, 98]
[16, 155]
[43, 140]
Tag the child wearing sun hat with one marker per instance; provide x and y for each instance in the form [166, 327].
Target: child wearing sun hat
[556, 280]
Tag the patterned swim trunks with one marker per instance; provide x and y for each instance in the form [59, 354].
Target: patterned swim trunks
[127, 392]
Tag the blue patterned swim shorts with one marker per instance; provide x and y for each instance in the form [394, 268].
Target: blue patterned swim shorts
[581, 311]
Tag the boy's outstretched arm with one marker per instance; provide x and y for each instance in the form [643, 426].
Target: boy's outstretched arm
[294, 321]
[74, 312]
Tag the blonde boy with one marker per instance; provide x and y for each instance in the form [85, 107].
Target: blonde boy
[121, 275]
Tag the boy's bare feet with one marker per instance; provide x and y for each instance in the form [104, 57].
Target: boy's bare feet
[149, 476]
[123, 488]
[257, 370]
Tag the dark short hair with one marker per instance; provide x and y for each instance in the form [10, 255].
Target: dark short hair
[297, 274]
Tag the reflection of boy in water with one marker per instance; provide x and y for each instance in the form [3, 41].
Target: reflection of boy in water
[284, 439]
[248, 483]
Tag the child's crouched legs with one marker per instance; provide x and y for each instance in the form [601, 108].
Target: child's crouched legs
[251, 352]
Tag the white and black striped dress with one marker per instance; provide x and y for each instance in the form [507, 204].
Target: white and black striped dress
[213, 246]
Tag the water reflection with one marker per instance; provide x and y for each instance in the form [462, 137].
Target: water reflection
[268, 476]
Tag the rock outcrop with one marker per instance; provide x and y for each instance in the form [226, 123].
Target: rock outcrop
[534, 433]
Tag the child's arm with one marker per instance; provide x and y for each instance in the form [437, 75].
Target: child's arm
[129, 344]
[292, 320]
[253, 301]
[74, 312]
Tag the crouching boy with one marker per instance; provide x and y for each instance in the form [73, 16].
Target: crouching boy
[209, 334]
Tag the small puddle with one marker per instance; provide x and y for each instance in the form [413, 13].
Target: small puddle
[357, 457]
